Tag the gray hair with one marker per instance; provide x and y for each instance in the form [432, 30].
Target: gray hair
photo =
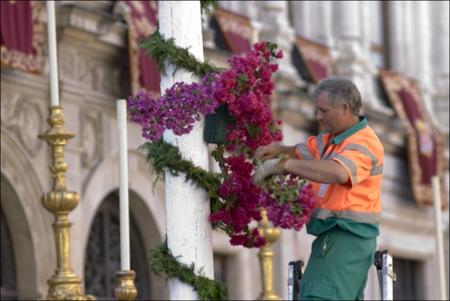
[340, 90]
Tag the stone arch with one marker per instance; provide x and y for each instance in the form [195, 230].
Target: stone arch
[146, 207]
[29, 222]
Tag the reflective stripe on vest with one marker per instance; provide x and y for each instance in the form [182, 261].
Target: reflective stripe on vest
[304, 151]
[319, 143]
[349, 163]
[360, 217]
[375, 169]
[363, 150]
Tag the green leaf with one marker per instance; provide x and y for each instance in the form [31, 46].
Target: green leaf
[241, 80]
[272, 47]
[253, 131]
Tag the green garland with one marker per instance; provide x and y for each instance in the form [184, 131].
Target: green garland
[208, 6]
[163, 51]
[162, 155]
[162, 261]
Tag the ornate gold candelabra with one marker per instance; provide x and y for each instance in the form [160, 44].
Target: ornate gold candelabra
[265, 255]
[64, 284]
[125, 288]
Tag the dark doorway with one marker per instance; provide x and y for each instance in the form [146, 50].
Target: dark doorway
[103, 253]
[8, 268]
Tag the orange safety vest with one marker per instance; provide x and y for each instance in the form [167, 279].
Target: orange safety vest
[361, 153]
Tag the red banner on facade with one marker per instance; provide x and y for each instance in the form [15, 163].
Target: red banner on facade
[237, 30]
[142, 19]
[316, 58]
[425, 146]
[22, 34]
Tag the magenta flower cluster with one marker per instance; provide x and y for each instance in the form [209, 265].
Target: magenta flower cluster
[287, 199]
[242, 203]
[290, 203]
[245, 88]
[177, 110]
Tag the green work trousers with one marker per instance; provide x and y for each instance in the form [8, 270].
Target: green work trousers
[338, 266]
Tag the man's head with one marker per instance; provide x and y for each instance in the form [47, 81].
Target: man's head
[338, 102]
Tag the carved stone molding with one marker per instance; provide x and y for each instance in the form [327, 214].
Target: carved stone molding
[24, 117]
[103, 76]
[91, 138]
[9, 108]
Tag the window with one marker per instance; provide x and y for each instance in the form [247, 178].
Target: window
[220, 267]
[406, 287]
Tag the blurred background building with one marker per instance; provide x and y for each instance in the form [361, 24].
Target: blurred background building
[355, 39]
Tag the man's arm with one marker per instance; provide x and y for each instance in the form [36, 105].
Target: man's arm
[321, 171]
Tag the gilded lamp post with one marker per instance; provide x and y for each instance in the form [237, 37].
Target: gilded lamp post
[265, 255]
[64, 284]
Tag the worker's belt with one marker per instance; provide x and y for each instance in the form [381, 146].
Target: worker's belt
[361, 217]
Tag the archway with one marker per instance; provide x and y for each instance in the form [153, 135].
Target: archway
[146, 208]
[103, 253]
[28, 222]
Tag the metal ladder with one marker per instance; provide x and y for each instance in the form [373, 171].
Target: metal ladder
[386, 275]
[382, 262]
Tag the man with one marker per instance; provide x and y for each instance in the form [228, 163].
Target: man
[344, 164]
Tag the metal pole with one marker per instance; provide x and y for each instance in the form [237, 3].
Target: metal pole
[439, 238]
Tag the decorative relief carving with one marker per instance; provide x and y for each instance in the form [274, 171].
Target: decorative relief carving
[30, 126]
[8, 108]
[67, 63]
[24, 117]
[104, 76]
[91, 138]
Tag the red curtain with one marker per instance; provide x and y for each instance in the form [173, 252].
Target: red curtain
[21, 35]
[236, 30]
[142, 21]
[425, 146]
[316, 58]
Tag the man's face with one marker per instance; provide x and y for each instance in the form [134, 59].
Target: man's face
[333, 119]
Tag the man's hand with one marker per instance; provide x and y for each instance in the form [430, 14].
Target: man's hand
[267, 168]
[269, 152]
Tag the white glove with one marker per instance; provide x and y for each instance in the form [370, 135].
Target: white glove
[267, 168]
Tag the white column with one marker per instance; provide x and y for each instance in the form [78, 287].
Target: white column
[422, 41]
[275, 28]
[187, 208]
[410, 46]
[368, 21]
[325, 17]
[250, 9]
[440, 54]
[371, 23]
[349, 27]
[396, 35]
[351, 62]
[301, 17]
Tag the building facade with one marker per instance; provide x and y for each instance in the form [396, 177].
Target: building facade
[410, 37]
